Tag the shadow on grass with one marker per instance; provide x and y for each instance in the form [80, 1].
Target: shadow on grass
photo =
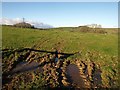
[8, 52]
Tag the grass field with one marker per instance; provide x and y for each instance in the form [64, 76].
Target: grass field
[63, 39]
[99, 48]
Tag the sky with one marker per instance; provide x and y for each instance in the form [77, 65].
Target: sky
[63, 14]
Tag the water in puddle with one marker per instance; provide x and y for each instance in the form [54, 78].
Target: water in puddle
[76, 78]
[25, 66]
[97, 78]
[74, 75]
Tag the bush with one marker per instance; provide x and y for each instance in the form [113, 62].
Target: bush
[85, 29]
[91, 30]
[23, 25]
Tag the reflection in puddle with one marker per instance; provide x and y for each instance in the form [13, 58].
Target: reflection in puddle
[97, 78]
[73, 73]
[25, 66]
[80, 80]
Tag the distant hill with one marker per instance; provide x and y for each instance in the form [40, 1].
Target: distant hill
[19, 22]
[23, 25]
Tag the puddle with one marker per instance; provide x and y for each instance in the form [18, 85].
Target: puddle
[97, 78]
[74, 75]
[25, 66]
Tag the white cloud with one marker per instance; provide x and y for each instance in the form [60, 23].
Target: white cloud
[7, 21]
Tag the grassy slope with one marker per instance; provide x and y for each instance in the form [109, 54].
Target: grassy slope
[65, 40]
[102, 46]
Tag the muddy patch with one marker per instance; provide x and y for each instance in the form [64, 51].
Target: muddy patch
[25, 66]
[97, 78]
[41, 66]
[74, 76]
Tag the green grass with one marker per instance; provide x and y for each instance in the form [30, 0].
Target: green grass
[63, 39]
[100, 48]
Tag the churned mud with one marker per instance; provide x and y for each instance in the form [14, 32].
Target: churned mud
[74, 76]
[64, 73]
[25, 66]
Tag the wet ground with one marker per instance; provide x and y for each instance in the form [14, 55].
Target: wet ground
[64, 73]
[25, 66]
[97, 78]
[74, 76]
